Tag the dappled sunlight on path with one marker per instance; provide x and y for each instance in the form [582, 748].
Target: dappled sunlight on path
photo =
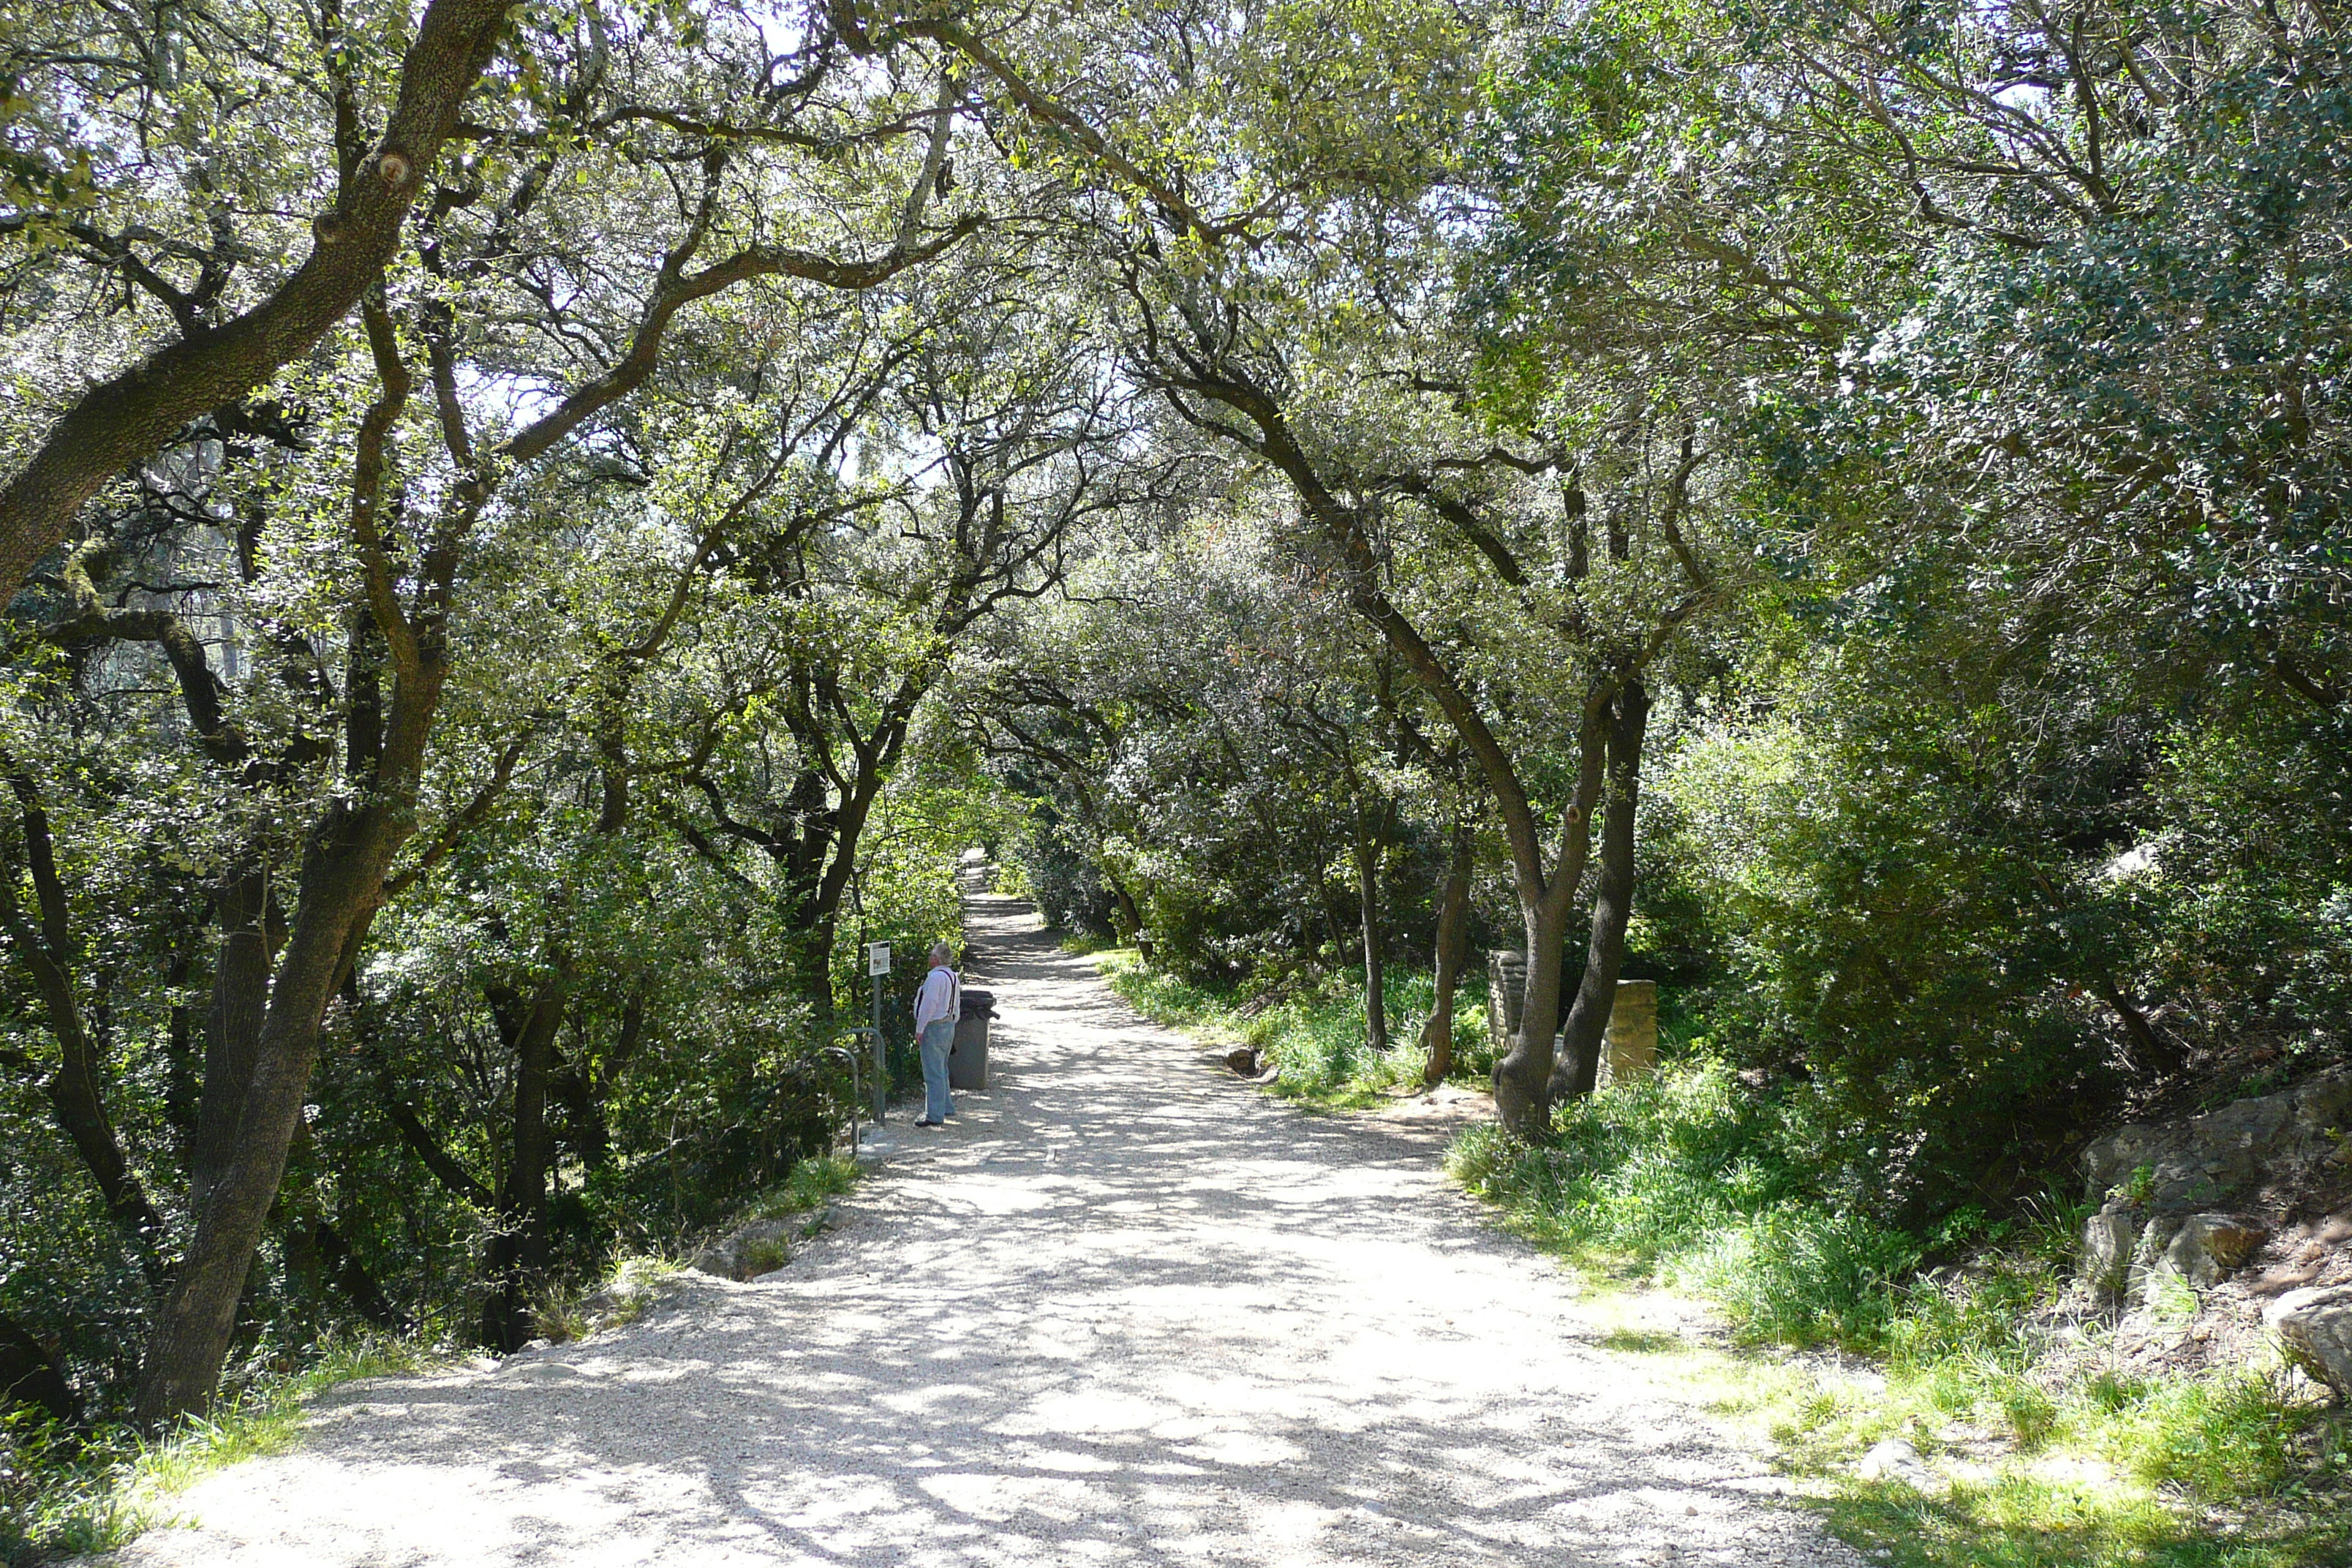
[1124, 1313]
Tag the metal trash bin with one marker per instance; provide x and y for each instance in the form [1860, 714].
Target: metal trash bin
[968, 1057]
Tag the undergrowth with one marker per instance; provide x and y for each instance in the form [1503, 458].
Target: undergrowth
[632, 1284]
[808, 1186]
[2040, 1450]
[64, 1493]
[1314, 1032]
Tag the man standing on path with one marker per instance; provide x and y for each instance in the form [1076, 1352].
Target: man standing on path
[939, 1002]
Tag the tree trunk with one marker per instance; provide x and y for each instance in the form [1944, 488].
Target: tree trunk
[1612, 901]
[316, 1255]
[519, 1249]
[351, 1278]
[341, 885]
[575, 1088]
[180, 1069]
[1126, 906]
[1452, 951]
[2150, 1052]
[1368, 901]
[1523, 1078]
[28, 1375]
[77, 1088]
[232, 1023]
[1522, 1099]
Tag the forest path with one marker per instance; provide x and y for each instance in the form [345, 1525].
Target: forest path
[1125, 1312]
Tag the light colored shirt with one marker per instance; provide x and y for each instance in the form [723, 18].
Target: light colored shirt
[940, 996]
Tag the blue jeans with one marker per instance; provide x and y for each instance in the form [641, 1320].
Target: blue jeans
[938, 1039]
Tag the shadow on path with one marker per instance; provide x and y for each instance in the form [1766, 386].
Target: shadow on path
[1125, 1313]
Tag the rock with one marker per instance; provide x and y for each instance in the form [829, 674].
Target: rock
[2315, 1327]
[2127, 1257]
[1632, 1048]
[748, 1251]
[2207, 1247]
[1243, 1059]
[1893, 1459]
[2104, 1260]
[2200, 1162]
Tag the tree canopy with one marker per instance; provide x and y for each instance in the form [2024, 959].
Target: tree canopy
[535, 531]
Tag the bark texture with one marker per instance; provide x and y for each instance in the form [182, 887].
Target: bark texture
[1613, 900]
[1452, 951]
[1368, 903]
[128, 417]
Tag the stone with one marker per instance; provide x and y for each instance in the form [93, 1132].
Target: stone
[2202, 1162]
[2150, 1288]
[1632, 1042]
[2209, 1246]
[2102, 1261]
[1893, 1459]
[1632, 1051]
[748, 1251]
[2314, 1326]
[2129, 1256]
[1507, 987]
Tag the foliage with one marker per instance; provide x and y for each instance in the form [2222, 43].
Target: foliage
[1313, 1035]
[2051, 1457]
[67, 1493]
[1836, 506]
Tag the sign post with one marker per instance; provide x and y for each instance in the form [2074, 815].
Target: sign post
[878, 964]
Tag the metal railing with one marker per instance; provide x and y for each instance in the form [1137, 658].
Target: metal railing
[856, 1082]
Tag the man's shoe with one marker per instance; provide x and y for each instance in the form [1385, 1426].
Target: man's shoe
[927, 1121]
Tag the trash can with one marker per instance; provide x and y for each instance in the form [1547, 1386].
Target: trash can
[968, 1057]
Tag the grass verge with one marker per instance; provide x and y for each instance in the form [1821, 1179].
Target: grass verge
[1316, 1033]
[2010, 1434]
[62, 1494]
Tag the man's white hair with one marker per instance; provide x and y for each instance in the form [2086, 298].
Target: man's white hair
[941, 952]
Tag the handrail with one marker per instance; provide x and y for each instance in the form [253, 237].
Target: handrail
[857, 1085]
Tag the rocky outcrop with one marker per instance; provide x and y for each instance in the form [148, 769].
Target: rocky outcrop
[2132, 1257]
[2205, 1247]
[2181, 1198]
[2315, 1328]
[2223, 1157]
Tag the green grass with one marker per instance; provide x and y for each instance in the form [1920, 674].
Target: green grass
[632, 1283]
[1316, 1036]
[810, 1185]
[628, 1289]
[63, 1495]
[2047, 1455]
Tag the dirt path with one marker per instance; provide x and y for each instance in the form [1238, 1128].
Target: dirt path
[1126, 1313]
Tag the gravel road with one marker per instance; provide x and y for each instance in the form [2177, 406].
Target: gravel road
[1125, 1313]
